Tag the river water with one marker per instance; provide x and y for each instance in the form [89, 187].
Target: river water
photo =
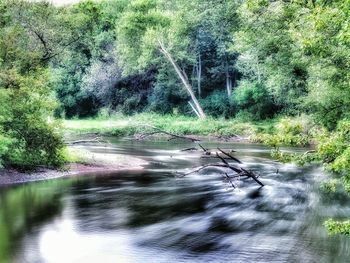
[154, 216]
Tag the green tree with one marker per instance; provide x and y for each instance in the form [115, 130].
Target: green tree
[322, 33]
[30, 136]
[149, 29]
[93, 24]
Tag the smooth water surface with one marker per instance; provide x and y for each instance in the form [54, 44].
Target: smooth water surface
[153, 216]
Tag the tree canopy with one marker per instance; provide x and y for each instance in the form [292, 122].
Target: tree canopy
[253, 59]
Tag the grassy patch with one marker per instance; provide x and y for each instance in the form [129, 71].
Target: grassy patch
[120, 125]
[74, 155]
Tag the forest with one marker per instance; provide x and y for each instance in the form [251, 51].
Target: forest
[281, 66]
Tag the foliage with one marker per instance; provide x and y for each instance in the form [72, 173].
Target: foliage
[267, 53]
[278, 56]
[253, 98]
[332, 148]
[31, 139]
[329, 186]
[87, 70]
[323, 34]
[299, 51]
[334, 151]
[289, 132]
[167, 94]
[217, 104]
[337, 227]
[29, 136]
[5, 144]
[121, 125]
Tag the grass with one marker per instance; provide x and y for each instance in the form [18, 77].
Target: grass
[120, 125]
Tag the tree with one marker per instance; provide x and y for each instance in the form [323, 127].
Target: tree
[219, 21]
[268, 54]
[94, 23]
[148, 29]
[29, 135]
[322, 33]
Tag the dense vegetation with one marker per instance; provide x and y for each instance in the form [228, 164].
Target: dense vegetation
[254, 58]
[251, 60]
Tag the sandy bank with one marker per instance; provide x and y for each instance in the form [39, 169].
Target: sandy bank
[93, 163]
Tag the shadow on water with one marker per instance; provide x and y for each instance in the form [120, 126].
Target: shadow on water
[152, 216]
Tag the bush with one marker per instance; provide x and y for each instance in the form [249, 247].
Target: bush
[29, 136]
[254, 99]
[336, 227]
[334, 151]
[288, 132]
[39, 144]
[5, 143]
[167, 93]
[217, 104]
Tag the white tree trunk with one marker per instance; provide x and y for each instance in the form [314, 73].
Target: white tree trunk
[228, 80]
[199, 76]
[183, 78]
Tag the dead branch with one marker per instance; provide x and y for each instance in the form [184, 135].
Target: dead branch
[206, 151]
[202, 168]
[213, 157]
[189, 149]
[230, 156]
[93, 140]
[229, 180]
[253, 176]
[239, 171]
[173, 136]
[235, 169]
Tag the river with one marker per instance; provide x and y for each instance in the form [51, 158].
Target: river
[154, 216]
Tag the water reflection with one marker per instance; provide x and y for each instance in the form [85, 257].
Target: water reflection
[24, 208]
[150, 216]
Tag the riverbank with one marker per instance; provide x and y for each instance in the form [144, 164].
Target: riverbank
[88, 163]
[121, 126]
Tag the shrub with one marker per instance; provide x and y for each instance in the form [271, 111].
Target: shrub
[254, 99]
[29, 136]
[336, 227]
[5, 143]
[217, 104]
[288, 132]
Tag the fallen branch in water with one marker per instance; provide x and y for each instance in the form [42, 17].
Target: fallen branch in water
[228, 178]
[189, 149]
[93, 140]
[238, 171]
[202, 168]
[229, 156]
[172, 135]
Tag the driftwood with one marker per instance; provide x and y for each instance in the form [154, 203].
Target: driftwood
[202, 168]
[206, 151]
[93, 140]
[228, 178]
[172, 135]
[229, 156]
[238, 171]
[189, 149]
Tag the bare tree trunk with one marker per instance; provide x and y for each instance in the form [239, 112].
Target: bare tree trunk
[183, 78]
[228, 79]
[194, 109]
[199, 75]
